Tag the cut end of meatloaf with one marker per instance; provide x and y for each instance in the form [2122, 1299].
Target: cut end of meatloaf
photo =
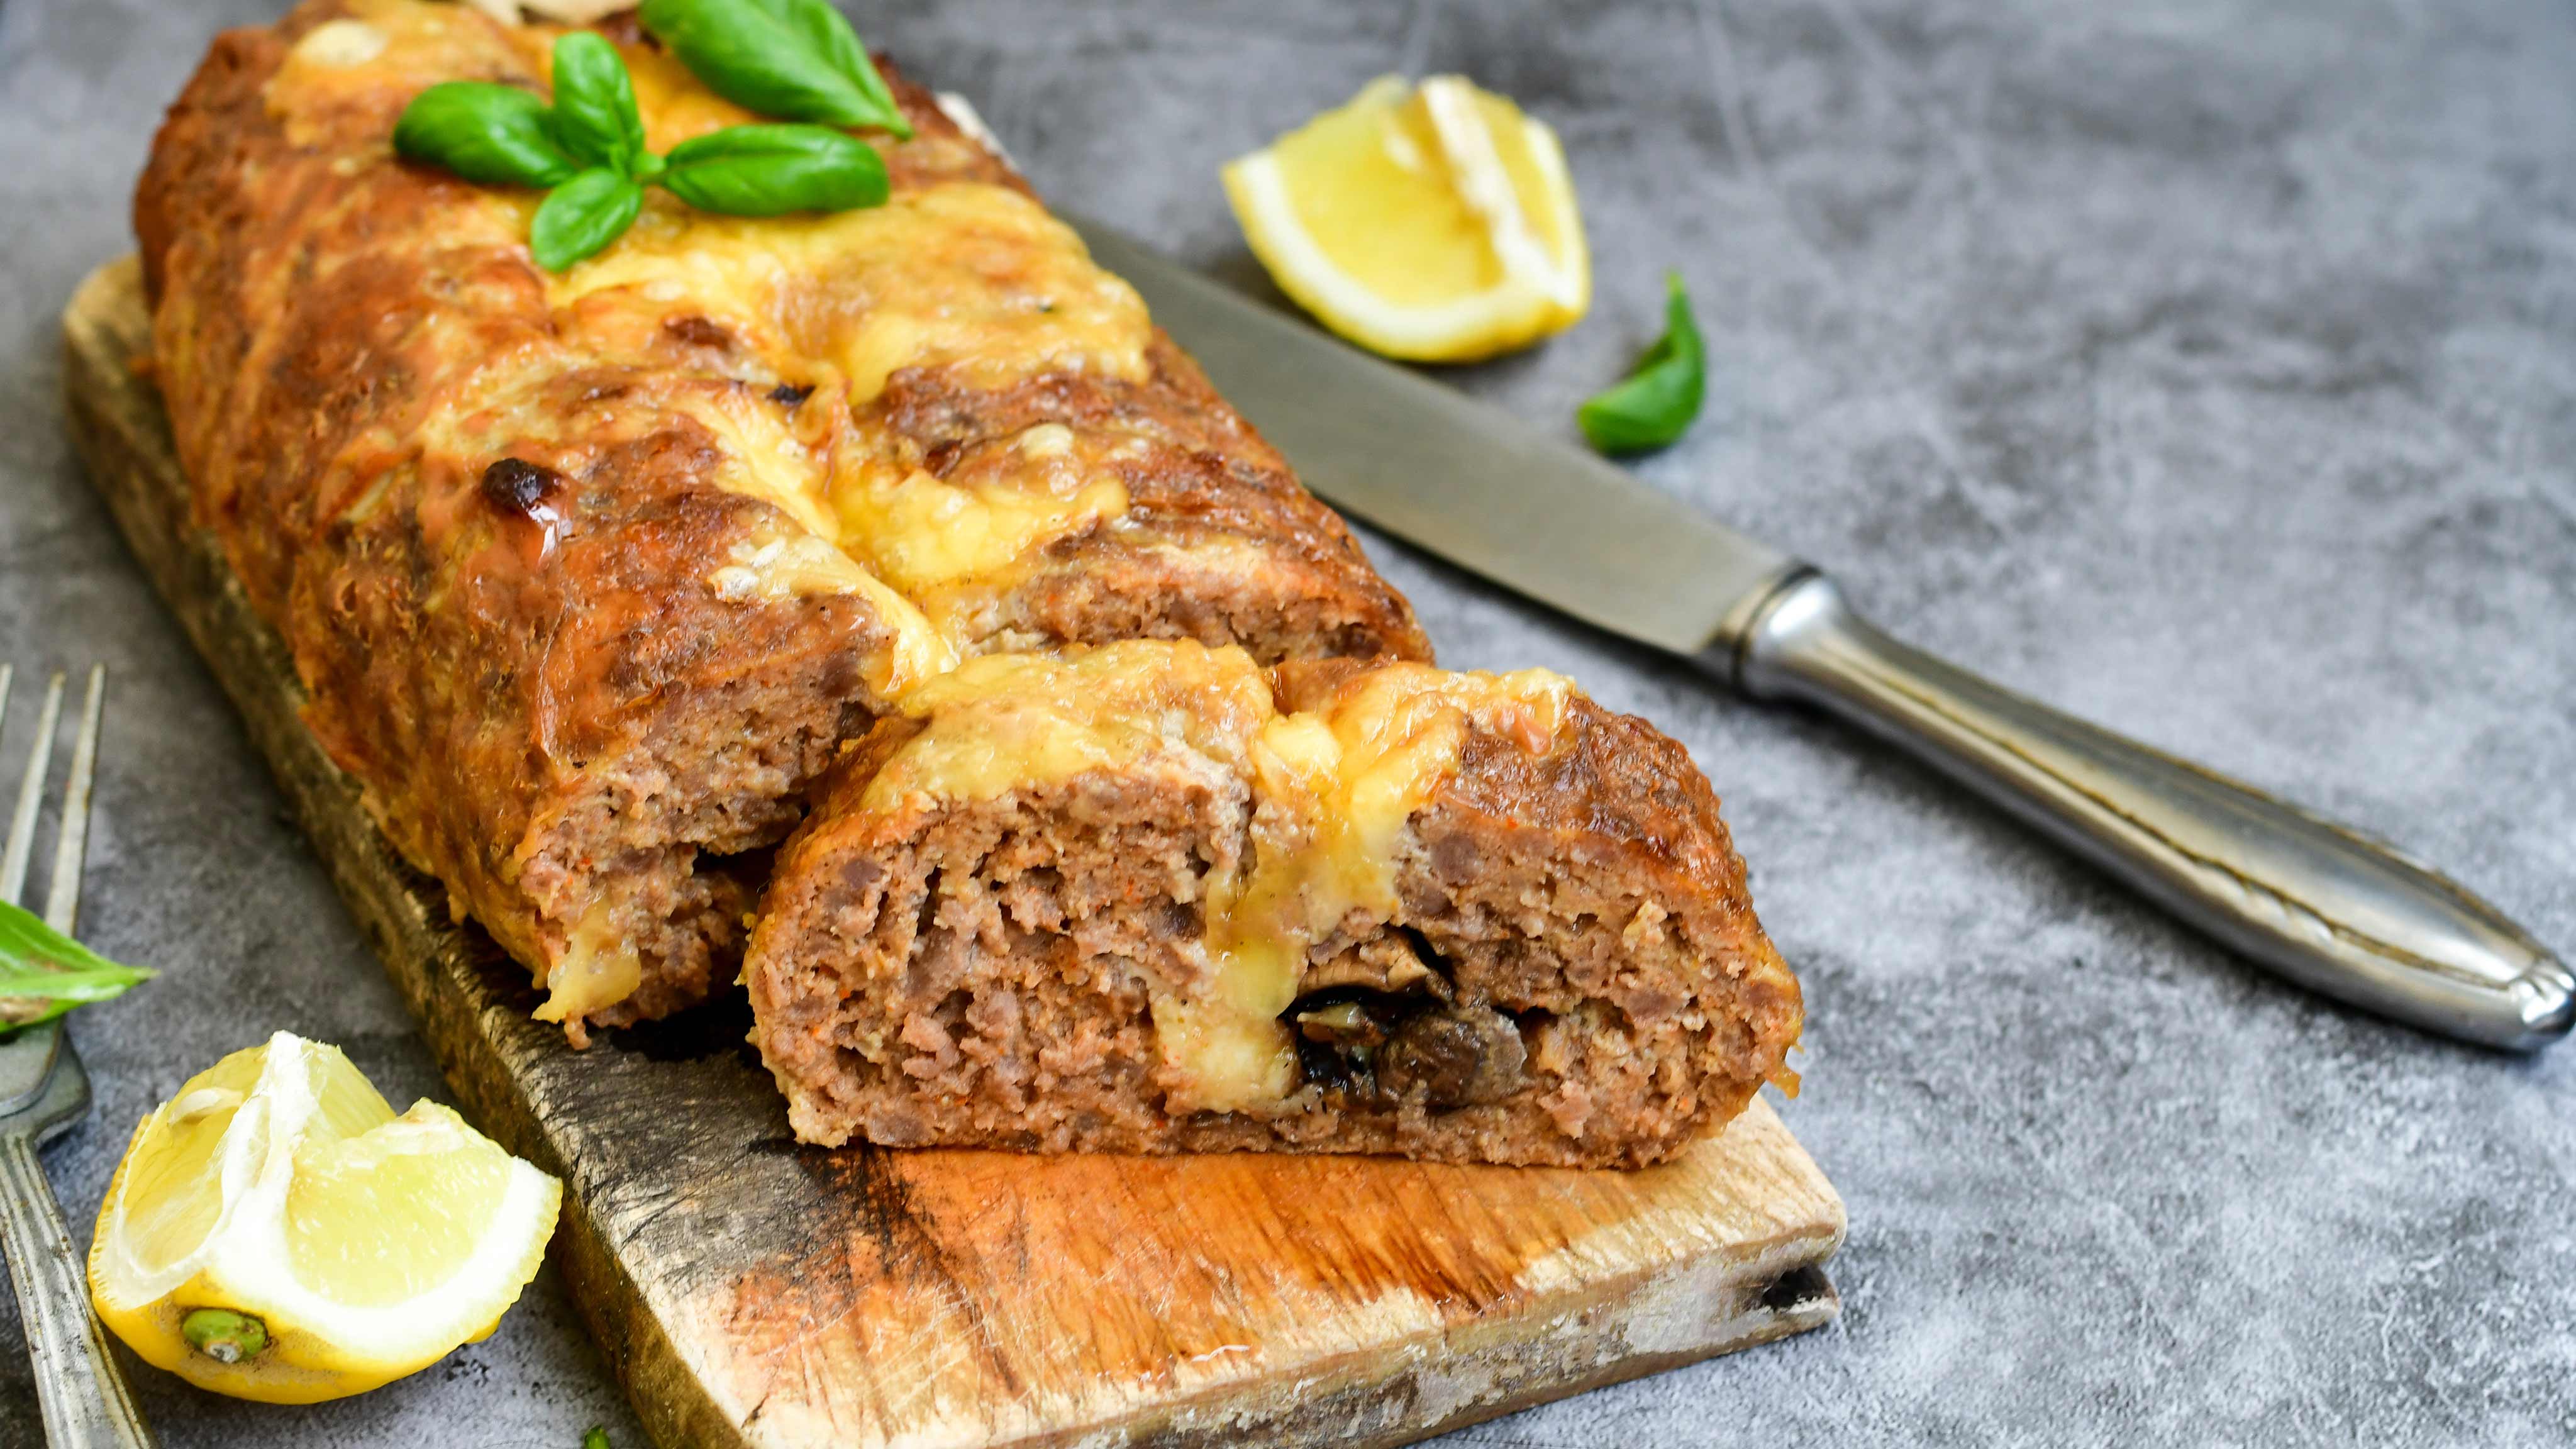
[643, 880]
[627, 887]
[1156, 899]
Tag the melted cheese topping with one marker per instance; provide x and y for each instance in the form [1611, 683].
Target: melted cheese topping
[975, 278]
[962, 275]
[966, 276]
[379, 47]
[926, 533]
[1332, 790]
[1336, 788]
[1375, 754]
[802, 566]
[1006, 722]
[599, 968]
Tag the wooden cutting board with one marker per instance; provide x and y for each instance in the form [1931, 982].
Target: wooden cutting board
[751, 1292]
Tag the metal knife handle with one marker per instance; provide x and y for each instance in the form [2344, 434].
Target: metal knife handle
[2312, 900]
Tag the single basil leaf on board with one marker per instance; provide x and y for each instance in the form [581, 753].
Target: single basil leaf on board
[595, 115]
[1658, 401]
[41, 964]
[491, 135]
[769, 170]
[750, 55]
[583, 215]
[828, 31]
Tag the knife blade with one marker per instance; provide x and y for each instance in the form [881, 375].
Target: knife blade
[2317, 903]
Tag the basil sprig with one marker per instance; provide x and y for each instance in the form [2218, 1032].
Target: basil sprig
[588, 150]
[582, 216]
[766, 170]
[44, 973]
[795, 59]
[1656, 404]
[595, 104]
[490, 135]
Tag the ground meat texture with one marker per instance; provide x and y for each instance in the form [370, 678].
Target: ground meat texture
[505, 539]
[1572, 973]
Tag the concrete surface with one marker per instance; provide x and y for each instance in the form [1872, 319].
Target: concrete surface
[2208, 366]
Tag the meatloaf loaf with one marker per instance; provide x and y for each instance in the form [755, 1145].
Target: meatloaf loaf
[587, 575]
[1152, 897]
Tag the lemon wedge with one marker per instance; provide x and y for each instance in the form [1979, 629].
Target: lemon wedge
[275, 1232]
[1433, 222]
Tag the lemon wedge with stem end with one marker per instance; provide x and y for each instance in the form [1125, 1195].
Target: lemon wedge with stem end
[1432, 222]
[276, 1232]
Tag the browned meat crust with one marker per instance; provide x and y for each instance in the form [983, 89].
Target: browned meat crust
[1572, 973]
[486, 525]
[1202, 476]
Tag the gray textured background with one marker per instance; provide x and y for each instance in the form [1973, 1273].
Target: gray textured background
[2207, 366]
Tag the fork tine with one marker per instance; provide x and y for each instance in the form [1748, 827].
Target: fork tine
[71, 841]
[31, 796]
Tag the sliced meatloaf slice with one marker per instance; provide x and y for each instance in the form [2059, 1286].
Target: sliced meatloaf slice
[1153, 898]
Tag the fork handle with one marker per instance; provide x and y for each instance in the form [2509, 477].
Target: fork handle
[87, 1403]
[2307, 898]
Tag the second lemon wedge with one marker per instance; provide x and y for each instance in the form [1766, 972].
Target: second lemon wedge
[1433, 222]
[275, 1232]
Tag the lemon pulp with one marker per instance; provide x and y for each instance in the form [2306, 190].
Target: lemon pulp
[1434, 222]
[279, 1186]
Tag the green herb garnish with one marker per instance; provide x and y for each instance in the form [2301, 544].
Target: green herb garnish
[44, 973]
[588, 150]
[795, 59]
[595, 1438]
[584, 215]
[595, 113]
[491, 135]
[765, 170]
[1661, 397]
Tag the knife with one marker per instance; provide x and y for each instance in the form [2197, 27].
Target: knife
[2314, 901]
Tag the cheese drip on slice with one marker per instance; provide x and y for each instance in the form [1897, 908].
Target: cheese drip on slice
[1332, 790]
[1336, 787]
[599, 967]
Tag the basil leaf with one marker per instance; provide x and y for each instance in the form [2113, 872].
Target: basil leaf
[39, 963]
[1658, 401]
[824, 28]
[750, 53]
[489, 134]
[767, 170]
[583, 215]
[595, 114]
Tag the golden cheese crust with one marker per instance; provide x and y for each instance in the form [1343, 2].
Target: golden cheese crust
[586, 576]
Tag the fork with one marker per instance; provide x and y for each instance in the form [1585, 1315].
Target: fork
[43, 1091]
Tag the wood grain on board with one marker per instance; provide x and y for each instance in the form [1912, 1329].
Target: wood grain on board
[751, 1292]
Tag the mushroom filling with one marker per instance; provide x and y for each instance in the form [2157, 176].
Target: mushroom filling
[1377, 1026]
